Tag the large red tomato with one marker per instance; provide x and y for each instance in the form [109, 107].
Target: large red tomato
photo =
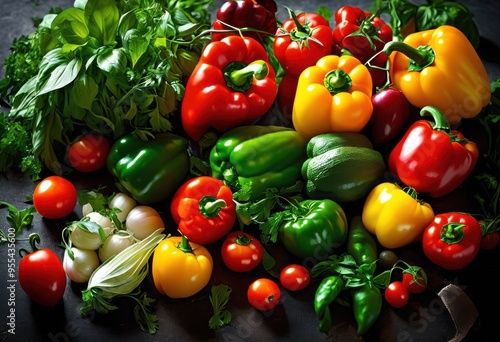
[54, 197]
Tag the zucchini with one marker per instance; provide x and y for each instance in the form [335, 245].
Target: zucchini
[343, 167]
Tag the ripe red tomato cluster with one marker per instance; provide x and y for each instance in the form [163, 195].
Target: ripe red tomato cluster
[264, 294]
[398, 292]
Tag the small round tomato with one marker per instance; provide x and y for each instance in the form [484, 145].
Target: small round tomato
[294, 277]
[42, 276]
[241, 252]
[89, 153]
[54, 197]
[415, 283]
[490, 241]
[263, 294]
[396, 294]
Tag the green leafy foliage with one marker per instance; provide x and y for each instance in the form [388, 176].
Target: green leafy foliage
[18, 219]
[430, 15]
[110, 67]
[219, 298]
[486, 182]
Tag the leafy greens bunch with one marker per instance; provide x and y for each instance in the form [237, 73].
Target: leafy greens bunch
[109, 67]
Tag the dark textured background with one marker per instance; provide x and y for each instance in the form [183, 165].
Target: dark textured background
[424, 319]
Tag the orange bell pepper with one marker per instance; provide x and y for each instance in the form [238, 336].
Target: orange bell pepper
[440, 68]
[333, 96]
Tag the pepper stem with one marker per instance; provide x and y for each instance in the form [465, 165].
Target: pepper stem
[452, 232]
[211, 206]
[440, 121]
[420, 57]
[239, 76]
[337, 81]
[185, 246]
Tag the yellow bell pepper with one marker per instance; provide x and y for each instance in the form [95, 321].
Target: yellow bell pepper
[440, 68]
[395, 215]
[181, 268]
[333, 96]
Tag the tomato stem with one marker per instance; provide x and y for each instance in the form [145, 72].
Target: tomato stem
[34, 239]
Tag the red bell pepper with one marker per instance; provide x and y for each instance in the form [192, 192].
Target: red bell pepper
[301, 41]
[233, 84]
[432, 158]
[257, 14]
[452, 240]
[362, 34]
[203, 209]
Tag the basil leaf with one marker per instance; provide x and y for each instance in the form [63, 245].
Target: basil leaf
[102, 19]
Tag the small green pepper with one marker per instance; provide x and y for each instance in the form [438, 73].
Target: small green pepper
[361, 244]
[149, 170]
[326, 293]
[367, 304]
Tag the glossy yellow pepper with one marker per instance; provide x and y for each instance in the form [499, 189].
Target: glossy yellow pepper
[440, 68]
[395, 215]
[181, 268]
[333, 96]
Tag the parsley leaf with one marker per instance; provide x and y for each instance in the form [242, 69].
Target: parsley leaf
[219, 298]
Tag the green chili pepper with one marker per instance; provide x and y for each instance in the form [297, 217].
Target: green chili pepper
[367, 304]
[326, 293]
[361, 244]
[252, 159]
[149, 170]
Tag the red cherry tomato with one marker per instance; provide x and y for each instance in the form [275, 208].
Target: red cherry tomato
[42, 276]
[414, 284]
[89, 153]
[54, 197]
[241, 252]
[396, 294]
[263, 294]
[490, 241]
[294, 277]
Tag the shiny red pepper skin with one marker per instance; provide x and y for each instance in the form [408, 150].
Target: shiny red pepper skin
[452, 240]
[363, 35]
[257, 14]
[203, 209]
[210, 99]
[432, 158]
[302, 41]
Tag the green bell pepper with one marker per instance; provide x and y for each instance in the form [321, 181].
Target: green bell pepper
[150, 171]
[361, 244]
[252, 159]
[308, 229]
